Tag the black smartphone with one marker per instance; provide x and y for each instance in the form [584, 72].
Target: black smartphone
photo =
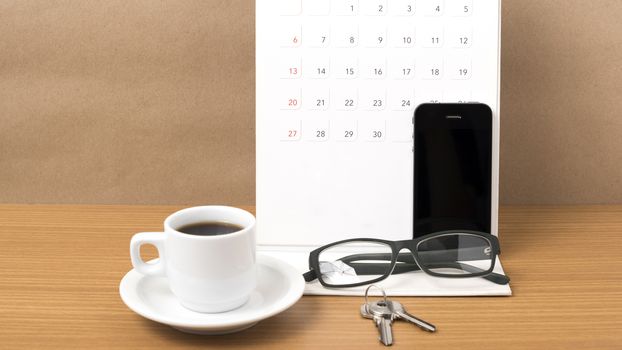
[452, 167]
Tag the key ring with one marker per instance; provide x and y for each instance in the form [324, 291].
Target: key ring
[384, 295]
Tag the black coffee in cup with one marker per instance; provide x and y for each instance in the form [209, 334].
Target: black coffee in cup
[209, 228]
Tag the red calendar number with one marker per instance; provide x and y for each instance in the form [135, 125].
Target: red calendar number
[289, 99]
[291, 34]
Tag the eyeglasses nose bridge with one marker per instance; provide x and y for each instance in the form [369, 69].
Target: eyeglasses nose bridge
[410, 245]
[408, 250]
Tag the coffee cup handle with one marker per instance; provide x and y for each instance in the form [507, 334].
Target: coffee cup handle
[153, 238]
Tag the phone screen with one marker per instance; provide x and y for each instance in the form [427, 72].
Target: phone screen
[452, 168]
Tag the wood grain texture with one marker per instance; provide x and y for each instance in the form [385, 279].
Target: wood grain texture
[61, 265]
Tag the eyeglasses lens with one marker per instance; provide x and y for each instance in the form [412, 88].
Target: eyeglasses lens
[354, 262]
[456, 254]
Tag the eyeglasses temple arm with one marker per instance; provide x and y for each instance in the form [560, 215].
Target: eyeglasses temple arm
[309, 275]
[492, 277]
[442, 256]
[381, 268]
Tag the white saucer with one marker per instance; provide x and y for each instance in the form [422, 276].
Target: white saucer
[279, 286]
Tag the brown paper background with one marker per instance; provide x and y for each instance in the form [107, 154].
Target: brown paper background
[153, 102]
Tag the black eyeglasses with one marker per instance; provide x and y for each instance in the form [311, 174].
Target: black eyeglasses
[360, 261]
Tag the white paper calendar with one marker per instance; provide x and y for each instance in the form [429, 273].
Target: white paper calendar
[337, 82]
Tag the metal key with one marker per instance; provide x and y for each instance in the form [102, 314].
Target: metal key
[399, 311]
[383, 318]
[381, 314]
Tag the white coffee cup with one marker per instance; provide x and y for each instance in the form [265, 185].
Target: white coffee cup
[206, 273]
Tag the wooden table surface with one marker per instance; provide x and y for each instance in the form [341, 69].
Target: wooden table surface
[60, 268]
